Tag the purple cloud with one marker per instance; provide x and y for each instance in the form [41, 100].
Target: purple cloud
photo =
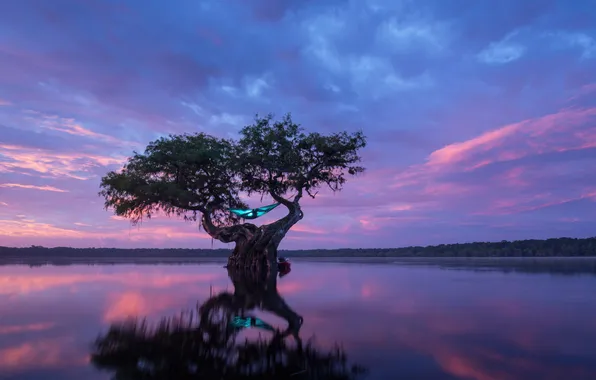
[481, 122]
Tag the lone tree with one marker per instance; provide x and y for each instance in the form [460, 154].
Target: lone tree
[201, 177]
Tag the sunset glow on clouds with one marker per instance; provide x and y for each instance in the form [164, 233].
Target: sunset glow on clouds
[481, 122]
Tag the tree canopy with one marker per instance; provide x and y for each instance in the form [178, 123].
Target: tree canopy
[188, 174]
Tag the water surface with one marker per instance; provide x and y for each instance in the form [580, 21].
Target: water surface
[413, 320]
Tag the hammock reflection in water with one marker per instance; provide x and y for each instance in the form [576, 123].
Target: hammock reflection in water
[250, 321]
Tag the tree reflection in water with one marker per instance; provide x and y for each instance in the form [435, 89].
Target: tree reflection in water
[203, 345]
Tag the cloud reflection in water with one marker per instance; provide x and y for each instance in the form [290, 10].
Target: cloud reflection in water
[395, 320]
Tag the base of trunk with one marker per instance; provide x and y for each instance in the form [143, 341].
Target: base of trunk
[255, 261]
[255, 252]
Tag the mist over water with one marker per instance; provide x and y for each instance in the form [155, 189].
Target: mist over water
[454, 319]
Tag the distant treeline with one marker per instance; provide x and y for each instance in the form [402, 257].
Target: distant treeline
[564, 247]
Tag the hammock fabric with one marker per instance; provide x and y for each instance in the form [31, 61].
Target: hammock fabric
[254, 212]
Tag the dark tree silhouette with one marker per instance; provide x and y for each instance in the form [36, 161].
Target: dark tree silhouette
[203, 345]
[201, 175]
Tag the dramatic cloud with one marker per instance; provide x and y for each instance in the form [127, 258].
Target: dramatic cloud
[481, 122]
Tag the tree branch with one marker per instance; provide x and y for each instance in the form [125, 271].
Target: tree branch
[208, 225]
[270, 184]
[289, 204]
[201, 209]
[298, 196]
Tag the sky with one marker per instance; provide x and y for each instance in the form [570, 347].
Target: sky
[480, 115]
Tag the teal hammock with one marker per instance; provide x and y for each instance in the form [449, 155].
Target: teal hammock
[253, 213]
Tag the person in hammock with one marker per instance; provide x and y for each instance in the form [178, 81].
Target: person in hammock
[253, 213]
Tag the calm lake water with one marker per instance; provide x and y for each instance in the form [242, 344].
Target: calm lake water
[398, 320]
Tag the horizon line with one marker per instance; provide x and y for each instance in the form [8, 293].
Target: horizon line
[312, 249]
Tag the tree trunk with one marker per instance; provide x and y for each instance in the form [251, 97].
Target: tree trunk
[256, 246]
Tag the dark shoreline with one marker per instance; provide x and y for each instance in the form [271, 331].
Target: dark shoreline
[559, 247]
[60, 260]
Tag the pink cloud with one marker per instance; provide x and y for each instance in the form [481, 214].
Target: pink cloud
[458, 152]
[583, 91]
[18, 329]
[566, 131]
[25, 232]
[70, 126]
[42, 188]
[537, 136]
[306, 229]
[508, 208]
[52, 164]
[375, 223]
[515, 177]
